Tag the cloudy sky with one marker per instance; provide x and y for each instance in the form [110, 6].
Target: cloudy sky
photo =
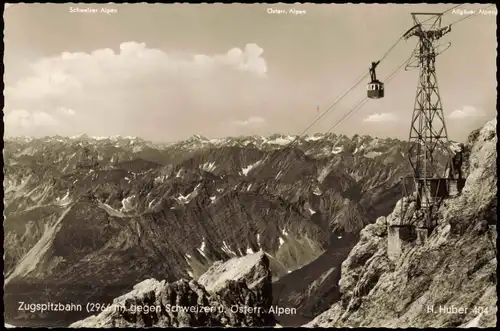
[166, 72]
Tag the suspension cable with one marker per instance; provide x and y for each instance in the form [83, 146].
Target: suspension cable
[358, 81]
[391, 76]
[360, 103]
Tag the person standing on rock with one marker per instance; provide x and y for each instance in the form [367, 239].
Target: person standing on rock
[457, 161]
[455, 164]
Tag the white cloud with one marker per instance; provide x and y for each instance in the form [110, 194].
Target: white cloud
[48, 81]
[380, 117]
[77, 71]
[254, 121]
[466, 112]
[66, 111]
[139, 90]
[20, 120]
[247, 60]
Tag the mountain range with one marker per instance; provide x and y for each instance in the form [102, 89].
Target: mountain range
[87, 218]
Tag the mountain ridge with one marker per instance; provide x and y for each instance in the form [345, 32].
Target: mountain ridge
[74, 209]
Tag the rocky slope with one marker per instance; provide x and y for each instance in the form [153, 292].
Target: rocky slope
[449, 281]
[79, 211]
[232, 293]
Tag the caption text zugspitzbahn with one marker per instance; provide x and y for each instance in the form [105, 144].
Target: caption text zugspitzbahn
[146, 309]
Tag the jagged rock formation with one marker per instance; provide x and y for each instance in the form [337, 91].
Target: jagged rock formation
[449, 281]
[234, 293]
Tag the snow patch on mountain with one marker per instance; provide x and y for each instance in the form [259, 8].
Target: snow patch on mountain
[225, 248]
[150, 204]
[202, 248]
[317, 191]
[186, 199]
[30, 151]
[36, 254]
[110, 210]
[161, 178]
[313, 138]
[372, 154]
[208, 166]
[359, 149]
[323, 173]
[13, 187]
[337, 150]
[64, 201]
[127, 204]
[247, 169]
[280, 140]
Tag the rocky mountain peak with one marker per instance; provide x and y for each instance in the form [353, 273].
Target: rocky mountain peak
[232, 293]
[454, 270]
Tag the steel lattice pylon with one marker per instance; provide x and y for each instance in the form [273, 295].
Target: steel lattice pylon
[428, 128]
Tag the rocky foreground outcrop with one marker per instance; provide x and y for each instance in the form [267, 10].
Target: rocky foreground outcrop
[449, 281]
[233, 293]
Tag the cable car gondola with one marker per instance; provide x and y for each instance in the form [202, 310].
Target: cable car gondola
[375, 89]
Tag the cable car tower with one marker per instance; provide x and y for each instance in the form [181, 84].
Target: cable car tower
[428, 129]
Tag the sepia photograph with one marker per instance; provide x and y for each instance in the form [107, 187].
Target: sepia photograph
[250, 165]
